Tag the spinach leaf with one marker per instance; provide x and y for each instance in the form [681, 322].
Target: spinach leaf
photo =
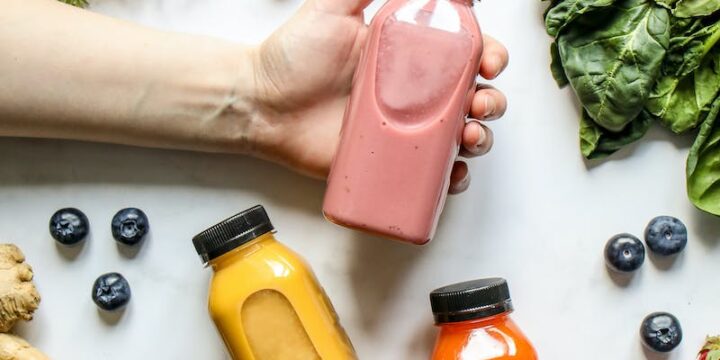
[680, 102]
[684, 26]
[692, 8]
[596, 142]
[707, 78]
[78, 3]
[613, 59]
[674, 103]
[703, 164]
[668, 4]
[687, 51]
[563, 12]
[553, 3]
[589, 136]
[556, 67]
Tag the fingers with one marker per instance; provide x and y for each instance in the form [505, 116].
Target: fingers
[459, 178]
[477, 139]
[488, 103]
[494, 58]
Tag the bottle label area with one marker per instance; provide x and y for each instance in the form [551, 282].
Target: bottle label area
[418, 69]
[273, 328]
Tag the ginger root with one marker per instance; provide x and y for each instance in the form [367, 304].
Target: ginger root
[18, 296]
[15, 348]
[18, 300]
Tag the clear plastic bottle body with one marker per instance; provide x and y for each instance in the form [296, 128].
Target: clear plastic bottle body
[404, 121]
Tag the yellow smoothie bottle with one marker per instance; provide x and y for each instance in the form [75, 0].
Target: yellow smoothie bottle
[264, 299]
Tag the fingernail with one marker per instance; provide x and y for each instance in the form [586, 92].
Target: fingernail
[462, 185]
[497, 63]
[489, 106]
[481, 138]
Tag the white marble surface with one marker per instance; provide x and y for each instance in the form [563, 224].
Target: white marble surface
[535, 214]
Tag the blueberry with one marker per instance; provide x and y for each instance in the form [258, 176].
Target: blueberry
[624, 253]
[661, 331]
[69, 226]
[129, 226]
[666, 235]
[111, 291]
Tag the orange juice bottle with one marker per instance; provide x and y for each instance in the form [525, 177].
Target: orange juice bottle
[264, 299]
[475, 324]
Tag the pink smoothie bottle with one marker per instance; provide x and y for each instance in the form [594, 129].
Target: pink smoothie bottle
[404, 121]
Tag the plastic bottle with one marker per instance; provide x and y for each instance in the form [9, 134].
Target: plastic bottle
[404, 120]
[475, 324]
[264, 299]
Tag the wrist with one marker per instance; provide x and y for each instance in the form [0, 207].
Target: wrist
[261, 106]
[230, 121]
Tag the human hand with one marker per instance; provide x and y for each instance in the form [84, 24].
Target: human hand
[303, 75]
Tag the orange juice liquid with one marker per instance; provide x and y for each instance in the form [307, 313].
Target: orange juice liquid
[268, 305]
[264, 299]
[494, 338]
[475, 324]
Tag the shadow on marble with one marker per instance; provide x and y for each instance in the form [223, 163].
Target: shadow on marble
[542, 7]
[131, 251]
[40, 162]
[111, 318]
[22, 329]
[71, 252]
[654, 355]
[378, 269]
[707, 226]
[666, 263]
[423, 342]
[656, 133]
[623, 279]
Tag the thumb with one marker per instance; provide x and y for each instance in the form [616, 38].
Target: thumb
[343, 7]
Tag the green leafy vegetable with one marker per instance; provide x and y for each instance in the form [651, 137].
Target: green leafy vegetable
[557, 68]
[691, 8]
[596, 142]
[553, 3]
[703, 164]
[707, 78]
[78, 3]
[684, 27]
[668, 4]
[679, 103]
[564, 12]
[613, 57]
[688, 49]
[632, 62]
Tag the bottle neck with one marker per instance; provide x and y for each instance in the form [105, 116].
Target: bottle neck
[478, 323]
[241, 251]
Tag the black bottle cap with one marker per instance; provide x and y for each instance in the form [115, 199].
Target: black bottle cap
[469, 300]
[232, 232]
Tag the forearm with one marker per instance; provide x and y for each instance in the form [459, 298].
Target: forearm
[69, 73]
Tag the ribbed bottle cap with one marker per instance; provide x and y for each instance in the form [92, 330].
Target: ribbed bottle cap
[232, 232]
[470, 300]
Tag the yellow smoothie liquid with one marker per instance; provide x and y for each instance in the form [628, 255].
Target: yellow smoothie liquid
[264, 299]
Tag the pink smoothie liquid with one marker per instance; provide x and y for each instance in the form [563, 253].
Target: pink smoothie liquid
[404, 121]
